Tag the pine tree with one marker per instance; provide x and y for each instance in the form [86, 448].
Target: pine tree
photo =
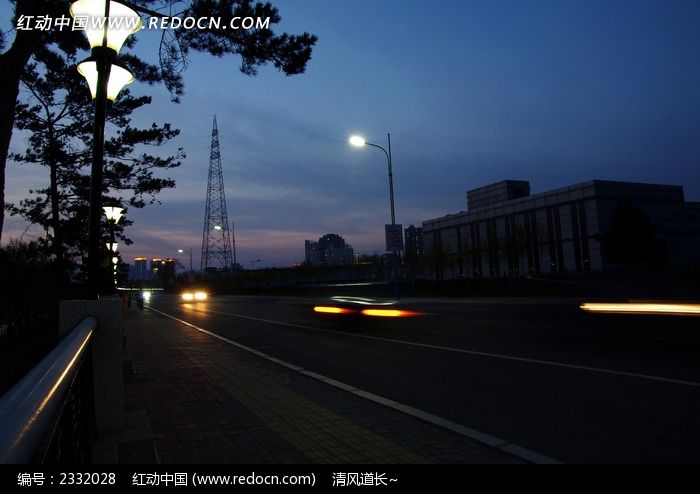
[57, 112]
[288, 53]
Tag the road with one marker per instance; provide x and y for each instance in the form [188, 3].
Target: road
[541, 374]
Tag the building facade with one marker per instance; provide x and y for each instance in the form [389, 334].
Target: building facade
[413, 242]
[141, 271]
[584, 227]
[330, 250]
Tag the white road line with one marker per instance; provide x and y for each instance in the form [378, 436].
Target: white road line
[512, 449]
[511, 358]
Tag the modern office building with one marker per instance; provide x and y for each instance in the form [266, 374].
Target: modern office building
[330, 250]
[592, 226]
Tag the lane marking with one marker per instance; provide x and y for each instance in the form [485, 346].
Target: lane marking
[474, 435]
[499, 356]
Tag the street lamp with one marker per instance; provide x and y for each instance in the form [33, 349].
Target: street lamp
[118, 78]
[105, 79]
[113, 214]
[181, 251]
[394, 233]
[98, 34]
[358, 141]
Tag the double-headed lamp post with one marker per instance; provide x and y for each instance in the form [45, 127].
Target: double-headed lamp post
[113, 214]
[105, 79]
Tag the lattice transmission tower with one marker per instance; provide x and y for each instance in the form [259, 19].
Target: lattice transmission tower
[216, 238]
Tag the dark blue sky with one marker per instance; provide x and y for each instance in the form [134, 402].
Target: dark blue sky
[473, 92]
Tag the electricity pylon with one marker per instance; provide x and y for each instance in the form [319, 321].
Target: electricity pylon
[216, 239]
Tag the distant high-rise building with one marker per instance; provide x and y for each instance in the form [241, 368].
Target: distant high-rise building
[139, 271]
[156, 264]
[311, 253]
[414, 242]
[159, 267]
[330, 250]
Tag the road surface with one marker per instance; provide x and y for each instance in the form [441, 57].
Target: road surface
[541, 374]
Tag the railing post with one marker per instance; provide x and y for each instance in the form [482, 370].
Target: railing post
[107, 357]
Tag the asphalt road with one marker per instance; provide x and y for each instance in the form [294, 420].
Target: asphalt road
[572, 386]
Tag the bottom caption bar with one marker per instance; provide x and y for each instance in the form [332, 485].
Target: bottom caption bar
[183, 477]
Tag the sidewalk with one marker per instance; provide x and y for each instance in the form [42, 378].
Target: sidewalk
[210, 402]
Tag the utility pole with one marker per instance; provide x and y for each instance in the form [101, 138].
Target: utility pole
[233, 237]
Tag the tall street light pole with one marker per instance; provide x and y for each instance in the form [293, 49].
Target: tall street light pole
[394, 244]
[360, 142]
[105, 79]
[182, 252]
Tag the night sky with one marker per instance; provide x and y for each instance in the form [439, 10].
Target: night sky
[473, 92]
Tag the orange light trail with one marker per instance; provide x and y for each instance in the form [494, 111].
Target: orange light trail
[651, 308]
[332, 310]
[390, 313]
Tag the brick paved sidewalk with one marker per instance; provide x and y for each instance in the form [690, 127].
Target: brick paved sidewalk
[210, 402]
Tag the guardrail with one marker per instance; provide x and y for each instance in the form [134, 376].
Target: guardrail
[48, 417]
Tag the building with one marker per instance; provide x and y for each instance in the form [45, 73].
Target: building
[592, 226]
[413, 242]
[311, 253]
[156, 264]
[413, 259]
[330, 250]
[139, 271]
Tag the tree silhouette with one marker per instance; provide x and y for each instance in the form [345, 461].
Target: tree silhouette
[56, 111]
[631, 239]
[288, 53]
